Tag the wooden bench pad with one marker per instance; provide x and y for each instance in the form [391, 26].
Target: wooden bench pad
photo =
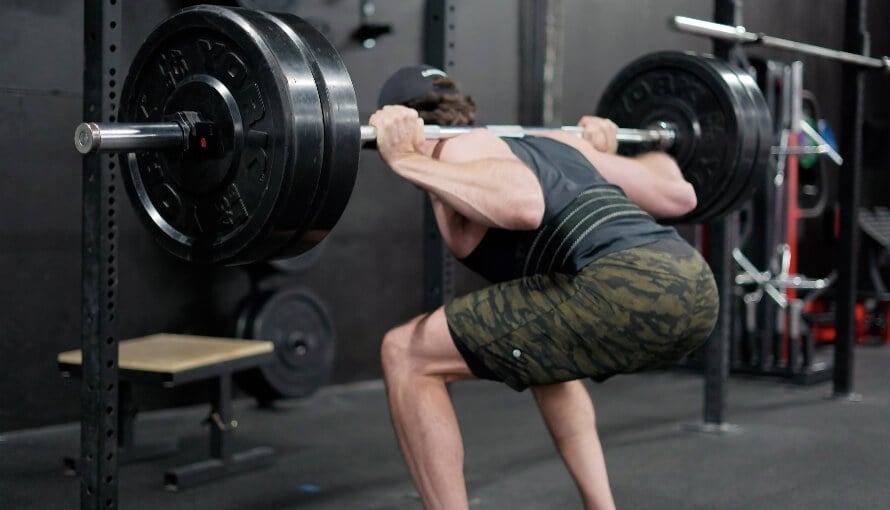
[168, 353]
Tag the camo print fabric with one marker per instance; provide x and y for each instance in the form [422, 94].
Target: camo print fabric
[631, 310]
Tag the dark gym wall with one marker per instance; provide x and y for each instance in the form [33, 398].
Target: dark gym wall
[370, 276]
[877, 127]
[39, 203]
[602, 36]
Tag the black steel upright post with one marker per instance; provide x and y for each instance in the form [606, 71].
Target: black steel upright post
[722, 237]
[540, 51]
[856, 40]
[99, 391]
[221, 416]
[438, 264]
[728, 12]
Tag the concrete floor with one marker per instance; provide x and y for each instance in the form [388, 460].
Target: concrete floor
[795, 450]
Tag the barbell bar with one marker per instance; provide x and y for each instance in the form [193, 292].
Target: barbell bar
[118, 137]
[239, 136]
[739, 35]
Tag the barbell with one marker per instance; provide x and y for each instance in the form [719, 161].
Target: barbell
[239, 139]
[116, 137]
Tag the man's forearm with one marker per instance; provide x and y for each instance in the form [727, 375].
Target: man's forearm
[662, 165]
[678, 192]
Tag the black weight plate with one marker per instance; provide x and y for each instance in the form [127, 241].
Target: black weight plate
[746, 134]
[338, 161]
[271, 5]
[301, 262]
[342, 131]
[749, 133]
[299, 326]
[687, 91]
[243, 317]
[246, 205]
[763, 119]
[252, 381]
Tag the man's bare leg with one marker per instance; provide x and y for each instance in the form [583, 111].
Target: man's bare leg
[419, 357]
[568, 413]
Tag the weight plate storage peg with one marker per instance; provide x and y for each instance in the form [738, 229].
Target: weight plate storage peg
[705, 103]
[243, 72]
[300, 327]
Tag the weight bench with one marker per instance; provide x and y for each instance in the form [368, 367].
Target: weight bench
[169, 361]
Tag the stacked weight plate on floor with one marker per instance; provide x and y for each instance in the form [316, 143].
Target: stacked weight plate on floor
[719, 124]
[290, 133]
[300, 327]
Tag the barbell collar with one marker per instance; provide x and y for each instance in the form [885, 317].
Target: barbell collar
[114, 137]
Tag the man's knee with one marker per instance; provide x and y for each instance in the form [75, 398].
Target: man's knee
[422, 347]
[395, 350]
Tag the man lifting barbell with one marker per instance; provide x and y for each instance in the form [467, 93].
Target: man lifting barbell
[239, 140]
[586, 284]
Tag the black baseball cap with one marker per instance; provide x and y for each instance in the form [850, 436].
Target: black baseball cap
[412, 82]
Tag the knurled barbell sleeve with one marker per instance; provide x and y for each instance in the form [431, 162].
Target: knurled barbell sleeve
[115, 137]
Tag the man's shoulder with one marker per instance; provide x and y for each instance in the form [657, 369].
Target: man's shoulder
[479, 143]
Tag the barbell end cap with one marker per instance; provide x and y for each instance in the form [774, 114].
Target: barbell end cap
[87, 137]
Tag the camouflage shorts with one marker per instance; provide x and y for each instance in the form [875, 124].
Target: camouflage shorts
[627, 311]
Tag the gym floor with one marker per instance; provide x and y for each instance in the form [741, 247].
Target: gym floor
[795, 450]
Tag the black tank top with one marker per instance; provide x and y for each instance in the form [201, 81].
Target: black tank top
[585, 217]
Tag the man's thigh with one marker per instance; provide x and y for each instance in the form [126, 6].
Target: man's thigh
[627, 311]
